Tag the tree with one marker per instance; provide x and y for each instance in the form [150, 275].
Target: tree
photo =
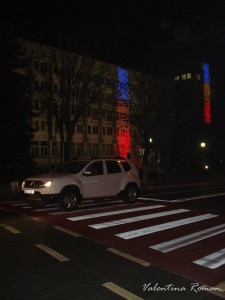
[71, 85]
[150, 110]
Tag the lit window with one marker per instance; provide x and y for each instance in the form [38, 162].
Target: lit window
[198, 76]
[188, 75]
[177, 78]
[184, 77]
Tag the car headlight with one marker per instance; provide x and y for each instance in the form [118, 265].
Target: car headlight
[45, 184]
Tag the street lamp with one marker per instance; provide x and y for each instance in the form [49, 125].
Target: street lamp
[203, 145]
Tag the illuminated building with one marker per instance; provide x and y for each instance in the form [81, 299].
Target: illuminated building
[97, 133]
[204, 79]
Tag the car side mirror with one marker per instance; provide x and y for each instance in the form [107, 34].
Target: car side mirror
[87, 172]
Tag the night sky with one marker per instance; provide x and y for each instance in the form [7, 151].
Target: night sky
[124, 31]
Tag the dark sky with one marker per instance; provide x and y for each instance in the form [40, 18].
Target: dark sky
[122, 31]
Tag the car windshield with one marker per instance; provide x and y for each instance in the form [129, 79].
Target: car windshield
[73, 167]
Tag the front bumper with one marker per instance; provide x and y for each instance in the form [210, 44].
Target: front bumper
[40, 199]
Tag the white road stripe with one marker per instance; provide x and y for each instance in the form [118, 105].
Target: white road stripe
[213, 260]
[87, 209]
[10, 202]
[160, 227]
[10, 228]
[189, 239]
[19, 204]
[47, 209]
[198, 197]
[181, 199]
[138, 218]
[111, 213]
[120, 291]
[152, 199]
[130, 257]
[52, 252]
[67, 231]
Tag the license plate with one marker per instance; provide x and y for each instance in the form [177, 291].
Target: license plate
[28, 191]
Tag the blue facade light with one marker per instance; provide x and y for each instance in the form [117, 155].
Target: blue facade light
[206, 77]
[122, 84]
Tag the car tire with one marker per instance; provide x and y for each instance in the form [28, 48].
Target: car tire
[130, 193]
[69, 199]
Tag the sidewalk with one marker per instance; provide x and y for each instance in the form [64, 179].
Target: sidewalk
[168, 181]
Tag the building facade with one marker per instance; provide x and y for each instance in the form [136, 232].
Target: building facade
[99, 131]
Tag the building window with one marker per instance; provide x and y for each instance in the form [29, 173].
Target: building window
[89, 129]
[43, 125]
[188, 75]
[95, 129]
[109, 130]
[183, 77]
[54, 149]
[34, 148]
[109, 149]
[44, 148]
[79, 128]
[198, 76]
[36, 124]
[177, 78]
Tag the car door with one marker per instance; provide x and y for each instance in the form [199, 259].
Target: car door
[93, 180]
[114, 177]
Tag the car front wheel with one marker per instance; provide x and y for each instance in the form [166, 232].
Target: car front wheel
[130, 193]
[69, 199]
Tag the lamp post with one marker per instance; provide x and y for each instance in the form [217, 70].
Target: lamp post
[203, 145]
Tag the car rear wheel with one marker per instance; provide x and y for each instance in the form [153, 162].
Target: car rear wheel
[130, 193]
[69, 199]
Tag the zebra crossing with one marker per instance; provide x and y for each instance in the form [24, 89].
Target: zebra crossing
[172, 227]
[183, 219]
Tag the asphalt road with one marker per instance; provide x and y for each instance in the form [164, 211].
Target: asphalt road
[95, 252]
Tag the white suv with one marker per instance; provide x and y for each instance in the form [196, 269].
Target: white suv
[84, 179]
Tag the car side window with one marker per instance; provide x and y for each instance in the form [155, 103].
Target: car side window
[126, 166]
[96, 168]
[112, 167]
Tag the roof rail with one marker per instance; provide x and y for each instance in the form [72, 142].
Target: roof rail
[108, 157]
